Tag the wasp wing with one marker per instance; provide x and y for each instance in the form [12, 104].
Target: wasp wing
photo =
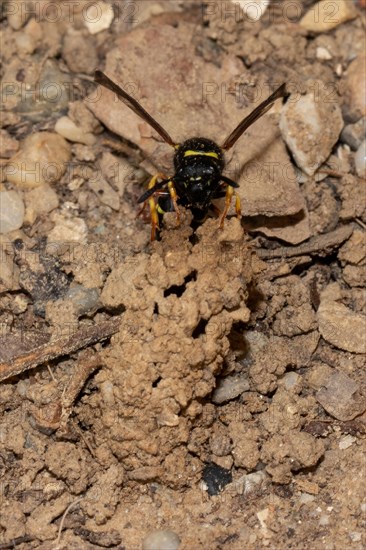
[134, 105]
[253, 116]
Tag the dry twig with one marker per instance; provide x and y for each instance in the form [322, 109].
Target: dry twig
[317, 244]
[63, 346]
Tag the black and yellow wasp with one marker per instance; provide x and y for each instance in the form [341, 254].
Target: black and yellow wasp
[198, 163]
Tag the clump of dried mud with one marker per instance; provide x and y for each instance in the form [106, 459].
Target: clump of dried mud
[180, 303]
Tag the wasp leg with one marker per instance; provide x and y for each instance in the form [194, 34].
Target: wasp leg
[154, 218]
[237, 206]
[216, 210]
[229, 181]
[151, 191]
[174, 197]
[153, 212]
[229, 195]
[232, 183]
[141, 209]
[154, 186]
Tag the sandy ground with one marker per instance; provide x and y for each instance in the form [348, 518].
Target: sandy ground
[210, 384]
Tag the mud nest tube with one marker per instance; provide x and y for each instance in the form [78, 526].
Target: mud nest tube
[180, 302]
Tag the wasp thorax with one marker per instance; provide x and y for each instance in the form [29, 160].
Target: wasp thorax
[198, 149]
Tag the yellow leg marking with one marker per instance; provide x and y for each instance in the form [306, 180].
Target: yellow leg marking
[237, 205]
[154, 207]
[228, 197]
[154, 217]
[174, 197]
[153, 181]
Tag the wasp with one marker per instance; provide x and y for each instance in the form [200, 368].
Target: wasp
[198, 162]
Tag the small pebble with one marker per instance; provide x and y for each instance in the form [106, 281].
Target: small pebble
[83, 153]
[253, 9]
[354, 134]
[292, 381]
[360, 160]
[229, 388]
[84, 299]
[341, 397]
[106, 390]
[22, 387]
[318, 375]
[167, 418]
[324, 520]
[98, 17]
[346, 442]
[67, 229]
[39, 201]
[305, 498]
[68, 129]
[42, 159]
[323, 54]
[161, 540]
[11, 211]
[54, 92]
[20, 304]
[324, 15]
[355, 536]
[249, 483]
[355, 84]
[342, 327]
[263, 516]
[86, 58]
[311, 126]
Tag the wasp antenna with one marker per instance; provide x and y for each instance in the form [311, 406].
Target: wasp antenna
[253, 116]
[104, 80]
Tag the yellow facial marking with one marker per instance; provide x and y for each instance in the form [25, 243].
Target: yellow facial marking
[191, 153]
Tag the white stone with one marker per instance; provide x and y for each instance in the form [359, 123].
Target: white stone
[161, 540]
[346, 442]
[253, 9]
[323, 53]
[11, 211]
[324, 15]
[98, 16]
[68, 129]
[311, 125]
[360, 160]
